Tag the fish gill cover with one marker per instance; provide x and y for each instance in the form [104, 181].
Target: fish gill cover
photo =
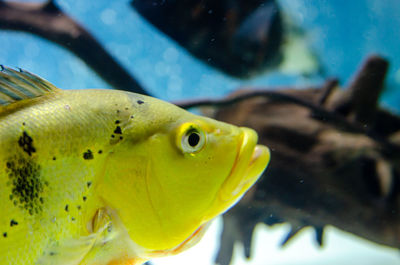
[338, 39]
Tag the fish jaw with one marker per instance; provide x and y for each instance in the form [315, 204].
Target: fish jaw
[192, 240]
[251, 160]
[250, 163]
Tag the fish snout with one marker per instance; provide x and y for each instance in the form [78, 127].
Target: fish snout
[251, 160]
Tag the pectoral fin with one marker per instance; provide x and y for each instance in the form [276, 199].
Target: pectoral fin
[75, 251]
[115, 246]
[108, 244]
[70, 252]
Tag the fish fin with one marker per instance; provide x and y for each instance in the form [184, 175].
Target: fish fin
[69, 252]
[74, 251]
[19, 85]
[114, 247]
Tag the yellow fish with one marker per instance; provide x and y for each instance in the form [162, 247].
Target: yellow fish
[111, 177]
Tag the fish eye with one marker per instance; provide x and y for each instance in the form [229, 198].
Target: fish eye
[193, 140]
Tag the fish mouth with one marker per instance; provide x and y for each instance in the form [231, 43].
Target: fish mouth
[251, 160]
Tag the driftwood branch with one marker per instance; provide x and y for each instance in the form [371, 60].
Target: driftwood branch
[361, 98]
[289, 96]
[48, 21]
[281, 94]
[335, 153]
[330, 165]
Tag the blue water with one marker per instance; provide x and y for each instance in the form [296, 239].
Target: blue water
[341, 33]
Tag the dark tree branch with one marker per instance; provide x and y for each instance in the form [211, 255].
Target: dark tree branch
[334, 158]
[277, 95]
[318, 112]
[361, 98]
[325, 169]
[327, 90]
[49, 22]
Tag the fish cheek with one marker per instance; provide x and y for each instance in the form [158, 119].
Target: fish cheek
[187, 182]
[216, 162]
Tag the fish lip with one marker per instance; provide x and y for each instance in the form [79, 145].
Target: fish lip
[250, 162]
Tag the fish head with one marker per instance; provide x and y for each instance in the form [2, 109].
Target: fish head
[184, 173]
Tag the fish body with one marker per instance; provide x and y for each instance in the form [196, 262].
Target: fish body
[111, 177]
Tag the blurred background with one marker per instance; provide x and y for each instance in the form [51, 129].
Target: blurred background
[325, 39]
[340, 248]
[339, 33]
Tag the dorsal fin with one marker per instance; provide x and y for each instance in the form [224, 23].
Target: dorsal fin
[18, 85]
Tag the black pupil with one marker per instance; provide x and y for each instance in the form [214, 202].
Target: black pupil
[193, 139]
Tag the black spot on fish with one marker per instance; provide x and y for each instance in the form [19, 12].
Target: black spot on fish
[100, 151]
[84, 198]
[118, 130]
[54, 158]
[121, 137]
[26, 184]
[13, 222]
[26, 143]
[117, 122]
[118, 111]
[140, 102]
[78, 207]
[4, 234]
[88, 155]
[52, 253]
[112, 135]
[23, 123]
[131, 116]
[89, 183]
[66, 208]
[126, 108]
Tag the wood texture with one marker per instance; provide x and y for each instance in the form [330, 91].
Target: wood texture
[335, 160]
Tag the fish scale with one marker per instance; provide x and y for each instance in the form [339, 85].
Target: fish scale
[71, 129]
[110, 177]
